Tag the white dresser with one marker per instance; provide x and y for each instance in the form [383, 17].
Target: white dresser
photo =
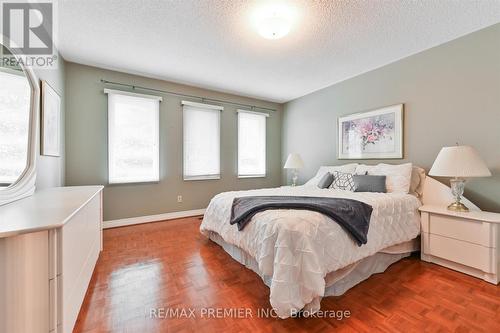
[466, 242]
[49, 245]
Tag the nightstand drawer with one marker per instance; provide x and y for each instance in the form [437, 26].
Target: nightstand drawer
[462, 229]
[465, 253]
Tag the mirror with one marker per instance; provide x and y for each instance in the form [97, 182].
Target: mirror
[18, 116]
[15, 93]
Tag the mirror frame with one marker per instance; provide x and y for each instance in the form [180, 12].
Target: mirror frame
[24, 186]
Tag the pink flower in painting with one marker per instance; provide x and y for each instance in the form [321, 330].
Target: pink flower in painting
[366, 128]
[371, 130]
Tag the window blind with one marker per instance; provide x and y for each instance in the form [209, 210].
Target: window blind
[201, 124]
[133, 137]
[251, 144]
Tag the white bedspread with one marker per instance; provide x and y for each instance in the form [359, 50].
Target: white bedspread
[298, 248]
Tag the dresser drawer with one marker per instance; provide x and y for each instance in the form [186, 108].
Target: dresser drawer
[461, 252]
[462, 229]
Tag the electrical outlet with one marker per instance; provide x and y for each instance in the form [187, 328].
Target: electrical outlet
[179, 198]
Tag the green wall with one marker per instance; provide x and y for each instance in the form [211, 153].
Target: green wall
[451, 94]
[86, 151]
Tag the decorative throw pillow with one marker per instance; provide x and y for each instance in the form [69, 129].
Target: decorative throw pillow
[326, 180]
[348, 168]
[365, 183]
[342, 181]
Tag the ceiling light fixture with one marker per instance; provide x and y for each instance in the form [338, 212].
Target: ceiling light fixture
[274, 21]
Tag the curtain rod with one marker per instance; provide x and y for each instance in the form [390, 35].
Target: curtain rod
[203, 99]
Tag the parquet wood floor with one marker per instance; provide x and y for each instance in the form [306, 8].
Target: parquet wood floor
[170, 265]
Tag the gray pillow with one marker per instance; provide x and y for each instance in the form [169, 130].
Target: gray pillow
[326, 180]
[366, 183]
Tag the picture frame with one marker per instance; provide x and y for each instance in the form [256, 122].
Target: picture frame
[50, 143]
[375, 134]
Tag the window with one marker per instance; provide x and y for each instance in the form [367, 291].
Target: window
[251, 144]
[201, 141]
[133, 137]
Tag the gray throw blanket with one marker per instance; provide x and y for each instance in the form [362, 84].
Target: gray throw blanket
[352, 215]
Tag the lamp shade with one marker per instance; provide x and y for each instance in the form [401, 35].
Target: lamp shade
[294, 162]
[460, 162]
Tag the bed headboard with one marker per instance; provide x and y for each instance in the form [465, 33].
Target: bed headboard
[436, 193]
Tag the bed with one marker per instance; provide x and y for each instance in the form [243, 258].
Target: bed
[303, 255]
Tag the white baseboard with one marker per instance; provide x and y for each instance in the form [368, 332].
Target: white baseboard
[152, 218]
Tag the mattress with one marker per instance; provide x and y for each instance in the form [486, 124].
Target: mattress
[296, 249]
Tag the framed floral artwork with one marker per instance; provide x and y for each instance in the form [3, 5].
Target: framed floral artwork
[376, 134]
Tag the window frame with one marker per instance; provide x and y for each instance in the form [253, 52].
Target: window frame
[207, 107]
[157, 153]
[265, 115]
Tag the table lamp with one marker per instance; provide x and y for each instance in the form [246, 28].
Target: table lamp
[459, 162]
[295, 163]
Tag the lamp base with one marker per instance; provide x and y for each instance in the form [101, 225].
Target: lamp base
[295, 177]
[458, 207]
[457, 190]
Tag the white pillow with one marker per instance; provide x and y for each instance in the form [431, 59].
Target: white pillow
[363, 169]
[346, 168]
[398, 176]
[417, 181]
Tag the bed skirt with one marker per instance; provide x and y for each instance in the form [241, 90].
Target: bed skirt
[339, 281]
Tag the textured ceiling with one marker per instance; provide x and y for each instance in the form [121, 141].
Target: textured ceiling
[211, 43]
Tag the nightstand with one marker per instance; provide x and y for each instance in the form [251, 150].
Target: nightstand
[465, 242]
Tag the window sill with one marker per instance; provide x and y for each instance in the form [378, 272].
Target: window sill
[252, 176]
[202, 178]
[138, 182]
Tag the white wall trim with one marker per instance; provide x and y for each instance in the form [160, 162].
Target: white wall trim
[152, 218]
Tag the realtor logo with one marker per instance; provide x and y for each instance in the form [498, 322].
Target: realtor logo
[29, 27]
